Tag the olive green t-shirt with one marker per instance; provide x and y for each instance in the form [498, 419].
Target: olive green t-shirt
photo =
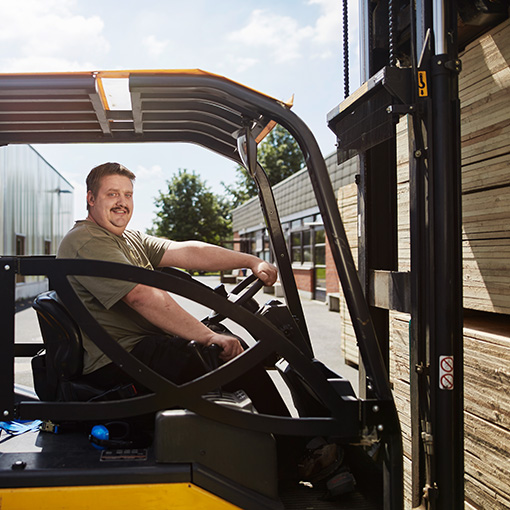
[103, 296]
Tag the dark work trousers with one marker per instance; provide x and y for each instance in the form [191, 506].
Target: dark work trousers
[172, 358]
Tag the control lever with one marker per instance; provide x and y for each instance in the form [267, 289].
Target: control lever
[209, 356]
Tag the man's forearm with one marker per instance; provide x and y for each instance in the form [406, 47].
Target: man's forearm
[159, 308]
[206, 257]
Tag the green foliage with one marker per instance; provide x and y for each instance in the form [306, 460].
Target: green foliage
[278, 154]
[189, 210]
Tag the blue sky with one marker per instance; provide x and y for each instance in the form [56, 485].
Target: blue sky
[279, 47]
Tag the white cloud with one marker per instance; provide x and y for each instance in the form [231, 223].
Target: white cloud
[329, 25]
[48, 36]
[327, 29]
[154, 47]
[286, 39]
[281, 35]
[152, 171]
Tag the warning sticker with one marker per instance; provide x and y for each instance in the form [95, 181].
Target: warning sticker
[423, 90]
[446, 372]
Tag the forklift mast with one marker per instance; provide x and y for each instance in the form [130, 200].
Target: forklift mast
[410, 67]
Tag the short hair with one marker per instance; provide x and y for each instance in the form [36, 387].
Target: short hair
[97, 173]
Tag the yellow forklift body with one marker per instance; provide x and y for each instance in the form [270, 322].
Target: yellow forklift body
[158, 496]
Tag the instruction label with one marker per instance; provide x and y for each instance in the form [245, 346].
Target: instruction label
[446, 372]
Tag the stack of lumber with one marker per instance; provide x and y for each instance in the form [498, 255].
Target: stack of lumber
[485, 116]
[486, 407]
[484, 86]
[348, 205]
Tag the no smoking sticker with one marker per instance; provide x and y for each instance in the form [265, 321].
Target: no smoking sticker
[446, 372]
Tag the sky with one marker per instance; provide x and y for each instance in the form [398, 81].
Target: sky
[279, 47]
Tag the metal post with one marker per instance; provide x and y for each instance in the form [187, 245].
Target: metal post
[446, 303]
[7, 311]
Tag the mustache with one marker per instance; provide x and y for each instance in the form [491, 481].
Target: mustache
[125, 209]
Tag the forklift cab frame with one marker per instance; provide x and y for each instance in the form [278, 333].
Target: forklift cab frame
[229, 119]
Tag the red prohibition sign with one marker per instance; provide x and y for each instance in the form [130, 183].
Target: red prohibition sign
[447, 381]
[447, 364]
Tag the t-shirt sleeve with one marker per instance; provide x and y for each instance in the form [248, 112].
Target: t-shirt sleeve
[107, 291]
[155, 248]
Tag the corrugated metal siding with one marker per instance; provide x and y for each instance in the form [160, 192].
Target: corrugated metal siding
[294, 195]
[36, 202]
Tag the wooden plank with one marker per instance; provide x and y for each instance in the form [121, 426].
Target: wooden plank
[481, 497]
[488, 142]
[486, 214]
[487, 380]
[486, 174]
[484, 89]
[402, 403]
[487, 449]
[408, 470]
[403, 227]
[487, 404]
[486, 56]
[486, 275]
[487, 368]
[399, 346]
[348, 206]
[402, 143]
[349, 343]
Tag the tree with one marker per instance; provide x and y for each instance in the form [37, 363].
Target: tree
[191, 211]
[279, 155]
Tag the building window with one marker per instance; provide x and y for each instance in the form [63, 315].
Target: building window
[301, 246]
[295, 246]
[20, 250]
[319, 263]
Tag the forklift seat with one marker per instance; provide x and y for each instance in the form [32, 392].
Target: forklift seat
[57, 370]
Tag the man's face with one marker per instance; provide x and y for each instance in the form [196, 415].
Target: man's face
[112, 207]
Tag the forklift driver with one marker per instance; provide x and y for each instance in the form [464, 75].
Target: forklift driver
[147, 321]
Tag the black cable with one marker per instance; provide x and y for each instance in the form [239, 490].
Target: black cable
[391, 18]
[346, 47]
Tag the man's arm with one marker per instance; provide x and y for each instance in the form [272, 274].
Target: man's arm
[159, 308]
[207, 257]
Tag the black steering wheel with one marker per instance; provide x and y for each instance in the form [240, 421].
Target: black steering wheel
[243, 292]
[209, 356]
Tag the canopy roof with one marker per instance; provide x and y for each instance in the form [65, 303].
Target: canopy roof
[166, 106]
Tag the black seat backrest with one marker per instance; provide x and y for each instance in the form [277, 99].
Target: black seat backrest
[61, 336]
[58, 372]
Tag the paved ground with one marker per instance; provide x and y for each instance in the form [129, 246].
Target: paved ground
[323, 325]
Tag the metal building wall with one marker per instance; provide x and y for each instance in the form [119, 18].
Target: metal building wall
[36, 203]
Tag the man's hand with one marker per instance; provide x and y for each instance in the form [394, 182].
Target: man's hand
[265, 272]
[230, 345]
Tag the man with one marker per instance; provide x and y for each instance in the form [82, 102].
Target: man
[146, 321]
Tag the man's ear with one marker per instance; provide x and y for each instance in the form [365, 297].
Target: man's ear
[90, 198]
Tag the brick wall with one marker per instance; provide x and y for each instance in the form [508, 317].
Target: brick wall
[304, 278]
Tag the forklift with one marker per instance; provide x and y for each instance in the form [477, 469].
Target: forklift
[201, 447]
